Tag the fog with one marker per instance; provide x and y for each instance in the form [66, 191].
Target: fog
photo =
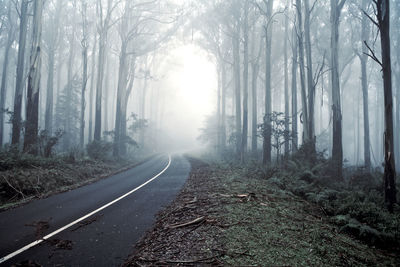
[163, 75]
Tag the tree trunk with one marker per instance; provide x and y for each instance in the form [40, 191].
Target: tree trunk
[223, 106]
[364, 84]
[69, 88]
[310, 138]
[84, 44]
[286, 83]
[304, 114]
[92, 91]
[236, 66]
[3, 92]
[99, 87]
[337, 149]
[48, 122]
[383, 11]
[121, 96]
[32, 109]
[294, 92]
[268, 104]
[243, 148]
[20, 81]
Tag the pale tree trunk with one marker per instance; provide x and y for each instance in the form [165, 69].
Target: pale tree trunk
[243, 148]
[364, 84]
[294, 92]
[267, 146]
[337, 148]
[304, 115]
[286, 83]
[255, 69]
[20, 80]
[3, 92]
[383, 17]
[91, 93]
[32, 109]
[84, 44]
[236, 67]
[48, 122]
[69, 88]
[223, 106]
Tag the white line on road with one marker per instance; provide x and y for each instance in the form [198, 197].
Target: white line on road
[15, 253]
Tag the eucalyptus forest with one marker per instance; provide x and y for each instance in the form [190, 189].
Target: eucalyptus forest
[263, 132]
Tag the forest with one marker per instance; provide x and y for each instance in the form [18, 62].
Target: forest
[295, 96]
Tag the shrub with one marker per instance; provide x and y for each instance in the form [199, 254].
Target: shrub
[99, 150]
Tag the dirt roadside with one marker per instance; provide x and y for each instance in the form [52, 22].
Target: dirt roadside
[222, 218]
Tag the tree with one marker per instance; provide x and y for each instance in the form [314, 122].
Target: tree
[20, 80]
[84, 44]
[51, 49]
[32, 108]
[364, 83]
[3, 92]
[337, 147]
[383, 23]
[243, 148]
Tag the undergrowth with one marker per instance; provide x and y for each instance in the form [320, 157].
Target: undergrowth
[355, 204]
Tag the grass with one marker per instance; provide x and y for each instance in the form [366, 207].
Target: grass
[279, 228]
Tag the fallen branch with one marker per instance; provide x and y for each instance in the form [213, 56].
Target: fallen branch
[195, 221]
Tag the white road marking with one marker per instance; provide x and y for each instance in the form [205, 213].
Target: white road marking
[34, 243]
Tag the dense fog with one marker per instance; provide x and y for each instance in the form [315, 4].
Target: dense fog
[166, 75]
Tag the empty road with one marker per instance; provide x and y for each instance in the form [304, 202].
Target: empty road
[123, 212]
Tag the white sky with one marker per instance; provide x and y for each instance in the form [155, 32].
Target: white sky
[192, 88]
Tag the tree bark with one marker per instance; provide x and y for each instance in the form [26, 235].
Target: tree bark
[337, 148]
[310, 138]
[92, 90]
[48, 122]
[364, 84]
[84, 44]
[236, 66]
[3, 92]
[268, 104]
[243, 148]
[286, 83]
[32, 109]
[20, 81]
[294, 91]
[389, 176]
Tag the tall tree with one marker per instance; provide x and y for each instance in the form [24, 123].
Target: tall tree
[103, 26]
[32, 108]
[286, 81]
[52, 46]
[267, 145]
[364, 83]
[337, 147]
[243, 148]
[3, 92]
[84, 44]
[20, 80]
[294, 90]
[389, 176]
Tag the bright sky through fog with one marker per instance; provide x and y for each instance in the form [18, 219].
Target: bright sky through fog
[194, 81]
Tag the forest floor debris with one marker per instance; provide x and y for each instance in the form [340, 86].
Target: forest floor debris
[225, 218]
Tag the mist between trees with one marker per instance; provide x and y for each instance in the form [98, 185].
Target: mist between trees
[320, 75]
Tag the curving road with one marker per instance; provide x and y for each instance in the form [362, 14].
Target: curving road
[101, 239]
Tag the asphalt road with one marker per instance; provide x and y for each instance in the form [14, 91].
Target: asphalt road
[105, 238]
